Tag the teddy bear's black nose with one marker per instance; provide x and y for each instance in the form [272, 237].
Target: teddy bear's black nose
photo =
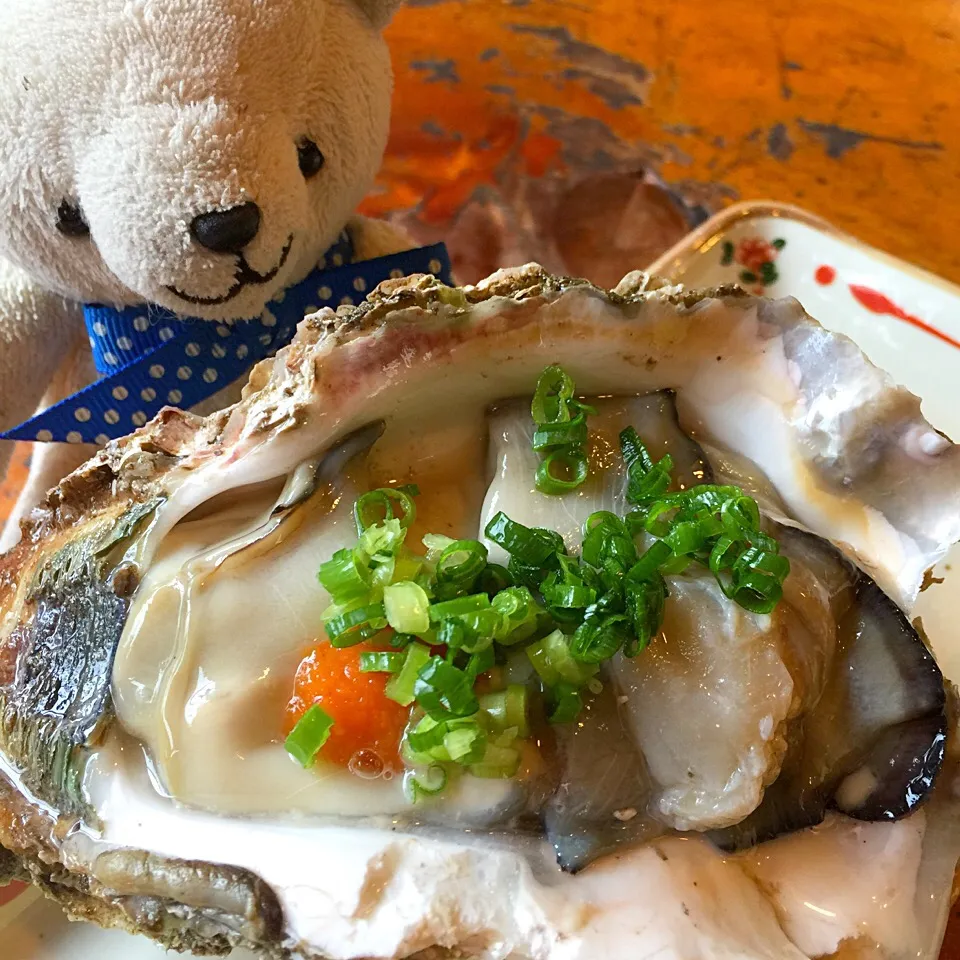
[227, 231]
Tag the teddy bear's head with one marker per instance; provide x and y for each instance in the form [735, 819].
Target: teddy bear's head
[197, 154]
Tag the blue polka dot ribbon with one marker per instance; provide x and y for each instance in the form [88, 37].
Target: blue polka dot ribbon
[149, 357]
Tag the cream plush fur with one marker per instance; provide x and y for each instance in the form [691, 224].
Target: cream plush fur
[145, 114]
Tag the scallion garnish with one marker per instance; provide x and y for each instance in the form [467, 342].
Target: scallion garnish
[494, 579]
[507, 709]
[562, 471]
[304, 741]
[532, 547]
[407, 607]
[552, 659]
[381, 662]
[344, 576]
[427, 782]
[401, 686]
[444, 690]
[561, 430]
[480, 662]
[465, 745]
[450, 616]
[378, 505]
[459, 566]
[356, 625]
[498, 763]
[567, 703]
[716, 526]
[459, 606]
[427, 735]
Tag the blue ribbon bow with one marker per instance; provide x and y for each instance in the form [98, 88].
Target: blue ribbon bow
[148, 357]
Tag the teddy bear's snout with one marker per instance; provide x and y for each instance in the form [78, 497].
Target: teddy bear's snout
[227, 231]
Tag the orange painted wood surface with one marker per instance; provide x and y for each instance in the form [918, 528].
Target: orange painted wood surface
[845, 107]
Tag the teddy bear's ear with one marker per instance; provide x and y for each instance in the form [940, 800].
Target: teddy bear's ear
[379, 12]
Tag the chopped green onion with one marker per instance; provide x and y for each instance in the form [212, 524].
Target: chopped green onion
[407, 607]
[494, 579]
[649, 564]
[505, 739]
[453, 633]
[508, 709]
[459, 606]
[400, 687]
[562, 429]
[567, 703]
[561, 434]
[407, 566]
[607, 543]
[381, 541]
[498, 763]
[442, 689]
[343, 577]
[426, 783]
[563, 470]
[426, 735]
[599, 637]
[520, 615]
[553, 661]
[381, 662]
[480, 662]
[309, 735]
[552, 396]
[377, 506]
[356, 625]
[467, 633]
[739, 515]
[646, 479]
[757, 580]
[484, 624]
[435, 543]
[685, 538]
[565, 593]
[645, 600]
[466, 744]
[461, 563]
[530, 546]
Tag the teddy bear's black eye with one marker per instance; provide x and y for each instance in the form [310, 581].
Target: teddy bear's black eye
[310, 157]
[70, 220]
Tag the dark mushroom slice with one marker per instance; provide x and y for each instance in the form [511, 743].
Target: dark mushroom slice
[600, 802]
[873, 744]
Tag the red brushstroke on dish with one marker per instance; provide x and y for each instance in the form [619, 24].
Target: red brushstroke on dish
[825, 275]
[11, 891]
[876, 302]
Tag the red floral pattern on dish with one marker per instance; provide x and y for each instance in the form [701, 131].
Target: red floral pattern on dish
[757, 257]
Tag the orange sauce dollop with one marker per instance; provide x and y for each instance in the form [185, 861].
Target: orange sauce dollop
[367, 724]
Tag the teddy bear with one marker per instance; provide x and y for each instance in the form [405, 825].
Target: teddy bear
[178, 181]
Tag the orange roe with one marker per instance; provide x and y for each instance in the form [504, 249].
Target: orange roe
[367, 724]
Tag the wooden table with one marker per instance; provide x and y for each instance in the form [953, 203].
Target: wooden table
[846, 107]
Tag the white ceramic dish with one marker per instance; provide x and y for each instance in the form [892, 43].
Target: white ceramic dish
[906, 320]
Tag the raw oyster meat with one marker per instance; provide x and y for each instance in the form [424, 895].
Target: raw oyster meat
[751, 785]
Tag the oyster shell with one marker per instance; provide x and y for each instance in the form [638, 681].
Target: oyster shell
[151, 841]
